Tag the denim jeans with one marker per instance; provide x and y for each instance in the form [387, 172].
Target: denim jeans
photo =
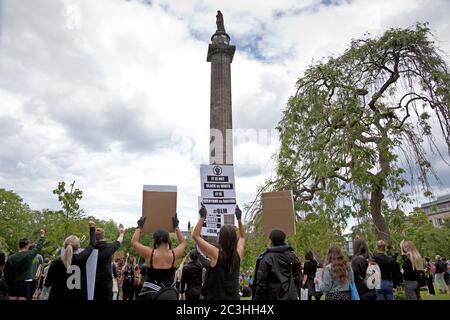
[386, 290]
[440, 283]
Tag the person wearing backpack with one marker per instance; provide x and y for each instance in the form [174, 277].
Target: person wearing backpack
[439, 274]
[160, 262]
[277, 271]
[413, 270]
[430, 269]
[366, 279]
[386, 264]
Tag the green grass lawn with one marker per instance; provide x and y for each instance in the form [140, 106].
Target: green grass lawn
[423, 294]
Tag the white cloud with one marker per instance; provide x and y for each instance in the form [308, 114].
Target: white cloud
[115, 94]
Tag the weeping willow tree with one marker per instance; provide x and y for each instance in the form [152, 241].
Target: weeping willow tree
[360, 128]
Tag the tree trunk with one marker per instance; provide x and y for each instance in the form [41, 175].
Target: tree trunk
[381, 226]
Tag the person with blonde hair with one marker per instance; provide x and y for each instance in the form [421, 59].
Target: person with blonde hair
[412, 266]
[67, 274]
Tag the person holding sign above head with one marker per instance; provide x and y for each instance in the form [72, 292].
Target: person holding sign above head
[222, 279]
[67, 274]
[160, 262]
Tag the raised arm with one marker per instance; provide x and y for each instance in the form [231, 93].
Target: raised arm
[84, 255]
[121, 234]
[208, 249]
[241, 241]
[142, 250]
[179, 250]
[39, 245]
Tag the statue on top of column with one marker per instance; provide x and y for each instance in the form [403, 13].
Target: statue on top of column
[219, 21]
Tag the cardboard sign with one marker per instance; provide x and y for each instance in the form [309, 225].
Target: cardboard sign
[159, 205]
[278, 212]
[219, 197]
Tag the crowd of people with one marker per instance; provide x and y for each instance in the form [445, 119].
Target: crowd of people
[212, 271]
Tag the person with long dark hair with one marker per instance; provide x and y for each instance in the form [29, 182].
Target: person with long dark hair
[309, 273]
[336, 276]
[360, 263]
[160, 262]
[222, 278]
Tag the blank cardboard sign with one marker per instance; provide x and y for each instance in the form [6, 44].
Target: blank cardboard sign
[159, 205]
[278, 212]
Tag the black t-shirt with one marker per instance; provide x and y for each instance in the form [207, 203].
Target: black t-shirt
[310, 268]
[105, 252]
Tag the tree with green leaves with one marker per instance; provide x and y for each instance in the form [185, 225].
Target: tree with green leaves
[15, 217]
[69, 201]
[358, 120]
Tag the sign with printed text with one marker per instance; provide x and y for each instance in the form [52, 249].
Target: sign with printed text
[219, 197]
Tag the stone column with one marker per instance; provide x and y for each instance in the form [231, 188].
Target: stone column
[220, 54]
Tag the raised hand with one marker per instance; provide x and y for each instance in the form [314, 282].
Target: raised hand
[121, 229]
[238, 213]
[202, 211]
[175, 221]
[141, 222]
[91, 224]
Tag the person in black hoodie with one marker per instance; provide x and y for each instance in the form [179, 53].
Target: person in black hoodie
[277, 271]
[191, 278]
[360, 263]
[103, 277]
[67, 274]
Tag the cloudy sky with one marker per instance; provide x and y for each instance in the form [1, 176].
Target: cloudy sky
[115, 94]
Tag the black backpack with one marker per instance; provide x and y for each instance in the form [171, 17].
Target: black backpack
[421, 278]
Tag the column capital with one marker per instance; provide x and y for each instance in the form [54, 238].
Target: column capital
[220, 49]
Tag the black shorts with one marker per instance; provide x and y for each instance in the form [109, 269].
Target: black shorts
[20, 289]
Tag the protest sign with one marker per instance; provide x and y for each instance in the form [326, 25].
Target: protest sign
[219, 197]
[278, 212]
[159, 205]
